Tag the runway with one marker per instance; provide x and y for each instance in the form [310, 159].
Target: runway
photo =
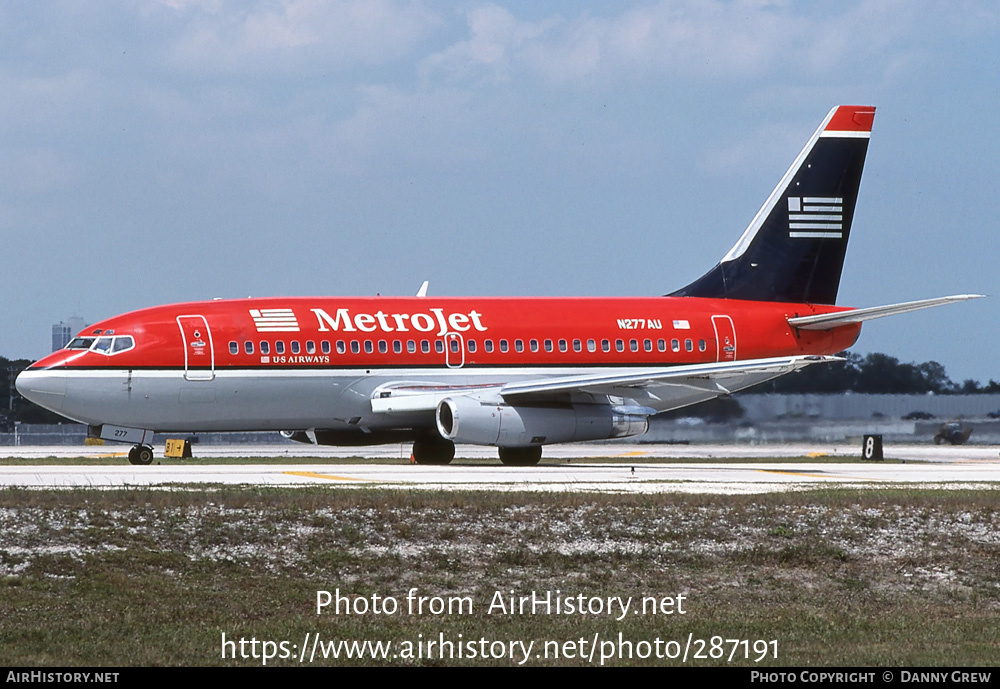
[951, 467]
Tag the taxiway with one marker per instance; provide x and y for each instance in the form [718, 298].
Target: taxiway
[958, 467]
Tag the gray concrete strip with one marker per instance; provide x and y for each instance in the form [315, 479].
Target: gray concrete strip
[963, 467]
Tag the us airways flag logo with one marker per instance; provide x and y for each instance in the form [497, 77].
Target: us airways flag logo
[815, 217]
[274, 320]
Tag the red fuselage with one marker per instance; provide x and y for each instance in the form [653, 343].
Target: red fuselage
[453, 333]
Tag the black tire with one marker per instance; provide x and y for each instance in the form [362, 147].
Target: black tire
[520, 456]
[141, 455]
[433, 451]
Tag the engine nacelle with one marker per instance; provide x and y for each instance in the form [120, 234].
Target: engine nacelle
[494, 422]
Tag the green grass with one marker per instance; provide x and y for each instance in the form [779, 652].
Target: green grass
[836, 577]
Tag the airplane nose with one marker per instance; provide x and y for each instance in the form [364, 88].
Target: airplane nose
[45, 388]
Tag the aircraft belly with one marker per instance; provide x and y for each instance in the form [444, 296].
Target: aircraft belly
[240, 400]
[165, 400]
[250, 400]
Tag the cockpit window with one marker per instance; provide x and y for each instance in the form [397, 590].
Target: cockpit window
[123, 343]
[103, 345]
[80, 343]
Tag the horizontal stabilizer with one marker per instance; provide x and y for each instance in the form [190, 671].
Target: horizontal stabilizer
[826, 321]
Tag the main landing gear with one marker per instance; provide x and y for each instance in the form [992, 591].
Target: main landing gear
[438, 451]
[433, 450]
[140, 454]
[520, 456]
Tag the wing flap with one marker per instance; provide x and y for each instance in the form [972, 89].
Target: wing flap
[658, 390]
[706, 377]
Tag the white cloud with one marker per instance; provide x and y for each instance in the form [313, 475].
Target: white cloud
[687, 38]
[496, 39]
[292, 34]
[698, 39]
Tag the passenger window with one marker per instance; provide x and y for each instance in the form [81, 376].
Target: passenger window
[688, 345]
[562, 346]
[606, 345]
[591, 346]
[439, 346]
[702, 346]
[355, 347]
[454, 346]
[470, 345]
[369, 347]
[279, 347]
[234, 347]
[325, 346]
[425, 346]
[488, 346]
[411, 346]
[295, 347]
[397, 347]
[648, 345]
[548, 345]
[503, 345]
[675, 345]
[518, 346]
[620, 345]
[577, 346]
[310, 347]
[383, 347]
[533, 345]
[265, 347]
[248, 347]
[341, 347]
[633, 345]
[661, 344]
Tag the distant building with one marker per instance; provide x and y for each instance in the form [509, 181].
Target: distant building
[62, 333]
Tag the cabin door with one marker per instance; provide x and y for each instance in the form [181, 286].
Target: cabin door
[199, 356]
[725, 338]
[454, 350]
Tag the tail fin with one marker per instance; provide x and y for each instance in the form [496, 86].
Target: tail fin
[793, 250]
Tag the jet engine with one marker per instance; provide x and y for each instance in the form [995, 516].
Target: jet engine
[492, 421]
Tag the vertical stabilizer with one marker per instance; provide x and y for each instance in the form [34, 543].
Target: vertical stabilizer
[793, 250]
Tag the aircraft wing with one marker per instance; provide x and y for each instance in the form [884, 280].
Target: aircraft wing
[657, 389]
[665, 388]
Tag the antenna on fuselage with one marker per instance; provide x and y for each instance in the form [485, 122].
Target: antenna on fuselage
[422, 292]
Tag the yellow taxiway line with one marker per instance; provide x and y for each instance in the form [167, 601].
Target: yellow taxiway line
[313, 474]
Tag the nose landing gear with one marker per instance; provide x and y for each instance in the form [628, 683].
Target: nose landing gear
[141, 455]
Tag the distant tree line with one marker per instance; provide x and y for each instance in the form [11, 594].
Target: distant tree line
[13, 407]
[876, 374]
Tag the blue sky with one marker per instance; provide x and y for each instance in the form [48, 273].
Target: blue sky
[179, 150]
